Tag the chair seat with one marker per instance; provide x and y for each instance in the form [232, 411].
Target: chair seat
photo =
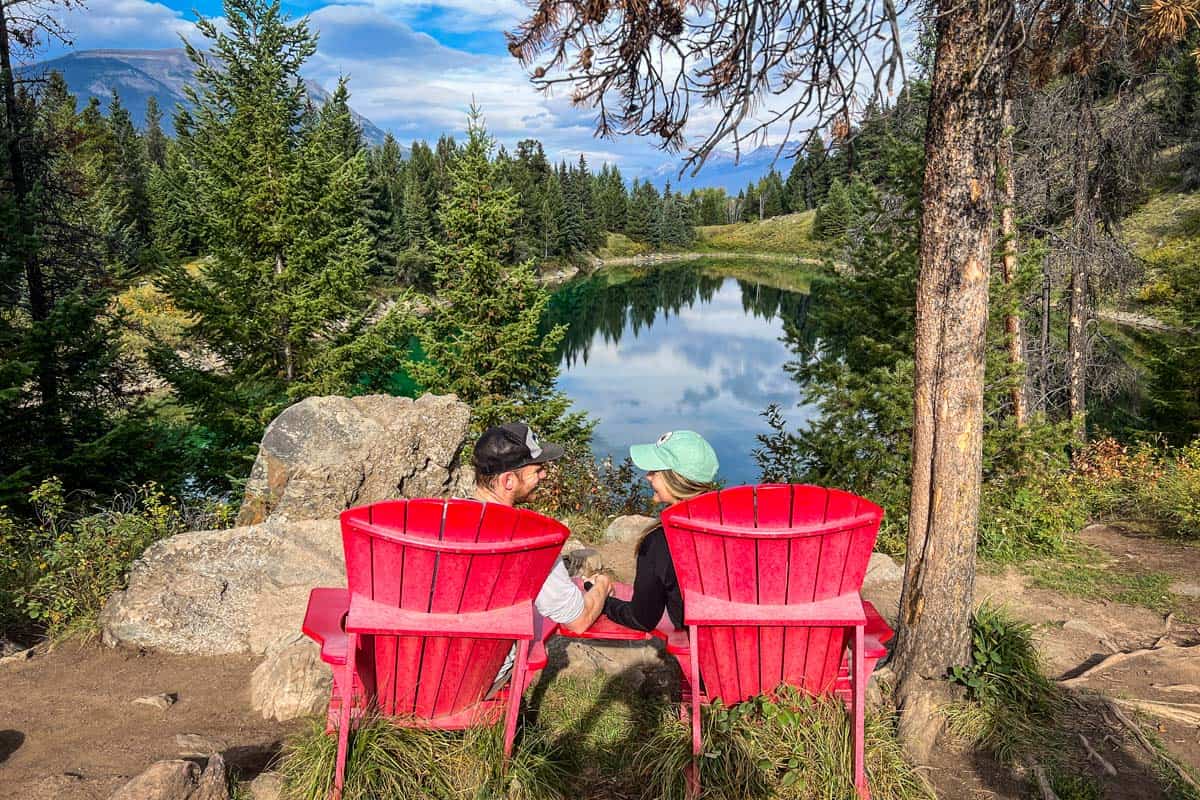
[325, 623]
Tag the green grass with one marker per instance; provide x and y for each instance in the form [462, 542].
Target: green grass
[1091, 574]
[618, 245]
[598, 737]
[790, 233]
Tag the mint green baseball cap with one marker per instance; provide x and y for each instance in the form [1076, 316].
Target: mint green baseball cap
[685, 452]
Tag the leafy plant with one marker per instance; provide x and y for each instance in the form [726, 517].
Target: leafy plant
[1011, 705]
[57, 570]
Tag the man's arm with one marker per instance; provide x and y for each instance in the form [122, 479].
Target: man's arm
[593, 604]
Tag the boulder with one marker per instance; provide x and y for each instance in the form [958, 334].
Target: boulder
[628, 528]
[585, 561]
[213, 783]
[267, 786]
[292, 681]
[232, 591]
[163, 780]
[326, 454]
[160, 701]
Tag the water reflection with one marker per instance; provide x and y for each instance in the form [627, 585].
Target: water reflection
[678, 348]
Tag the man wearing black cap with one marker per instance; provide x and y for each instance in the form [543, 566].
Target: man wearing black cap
[509, 464]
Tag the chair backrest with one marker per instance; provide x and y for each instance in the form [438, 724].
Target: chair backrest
[442, 557]
[776, 544]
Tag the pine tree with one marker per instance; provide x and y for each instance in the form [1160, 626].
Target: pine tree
[385, 188]
[63, 406]
[572, 229]
[482, 341]
[280, 212]
[174, 231]
[120, 173]
[772, 193]
[156, 140]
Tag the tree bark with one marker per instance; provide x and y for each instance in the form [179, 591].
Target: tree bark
[1077, 349]
[1008, 231]
[39, 303]
[957, 236]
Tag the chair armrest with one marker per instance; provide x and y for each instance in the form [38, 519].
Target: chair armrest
[509, 622]
[323, 622]
[841, 611]
[604, 628]
[876, 625]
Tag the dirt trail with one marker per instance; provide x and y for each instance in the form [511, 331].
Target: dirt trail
[69, 731]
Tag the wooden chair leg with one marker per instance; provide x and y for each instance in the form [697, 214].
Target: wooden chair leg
[516, 688]
[697, 739]
[859, 677]
[339, 775]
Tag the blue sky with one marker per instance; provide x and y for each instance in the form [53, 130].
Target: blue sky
[414, 67]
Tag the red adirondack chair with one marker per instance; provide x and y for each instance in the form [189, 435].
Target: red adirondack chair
[771, 577]
[438, 593]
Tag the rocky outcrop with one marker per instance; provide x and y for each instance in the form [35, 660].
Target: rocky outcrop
[628, 528]
[240, 590]
[326, 454]
[178, 780]
[232, 591]
[292, 681]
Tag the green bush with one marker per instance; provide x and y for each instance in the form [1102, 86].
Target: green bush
[1011, 706]
[57, 570]
[1146, 482]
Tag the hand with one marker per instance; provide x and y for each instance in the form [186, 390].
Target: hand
[602, 583]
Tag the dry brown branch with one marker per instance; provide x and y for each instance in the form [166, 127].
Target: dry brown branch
[1149, 746]
[1108, 662]
[1043, 783]
[1186, 713]
[1104, 763]
[1189, 688]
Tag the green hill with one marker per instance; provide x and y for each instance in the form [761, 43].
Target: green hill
[790, 234]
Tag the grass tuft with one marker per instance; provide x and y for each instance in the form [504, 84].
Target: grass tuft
[794, 747]
[385, 760]
[1011, 707]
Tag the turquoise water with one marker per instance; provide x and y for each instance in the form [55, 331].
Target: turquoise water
[678, 348]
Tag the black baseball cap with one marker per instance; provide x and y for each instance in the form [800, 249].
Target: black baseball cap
[510, 446]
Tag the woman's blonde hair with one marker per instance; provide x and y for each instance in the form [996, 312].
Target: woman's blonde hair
[681, 488]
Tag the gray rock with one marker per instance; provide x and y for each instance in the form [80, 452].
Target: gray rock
[218, 592]
[159, 701]
[1187, 589]
[326, 454]
[292, 682]
[213, 783]
[163, 780]
[628, 528]
[584, 561]
[198, 745]
[267, 786]
[883, 569]
[631, 660]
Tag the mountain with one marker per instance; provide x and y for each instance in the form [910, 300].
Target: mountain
[138, 75]
[722, 171]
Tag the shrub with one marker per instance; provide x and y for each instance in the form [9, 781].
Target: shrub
[57, 570]
[1146, 482]
[577, 485]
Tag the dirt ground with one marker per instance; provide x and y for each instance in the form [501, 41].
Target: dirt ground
[68, 729]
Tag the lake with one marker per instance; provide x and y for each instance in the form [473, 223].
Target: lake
[684, 346]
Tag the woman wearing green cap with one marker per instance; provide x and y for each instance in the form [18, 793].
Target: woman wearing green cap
[680, 466]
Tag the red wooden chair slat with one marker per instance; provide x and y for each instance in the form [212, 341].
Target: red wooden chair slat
[443, 566]
[792, 557]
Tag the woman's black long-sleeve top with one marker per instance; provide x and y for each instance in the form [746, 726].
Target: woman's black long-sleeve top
[654, 588]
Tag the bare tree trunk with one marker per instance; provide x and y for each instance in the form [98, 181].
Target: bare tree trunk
[39, 304]
[1008, 230]
[957, 224]
[1080, 234]
[1044, 345]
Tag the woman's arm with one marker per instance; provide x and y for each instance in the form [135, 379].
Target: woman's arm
[645, 609]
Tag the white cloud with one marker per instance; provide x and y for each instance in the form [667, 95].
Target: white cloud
[124, 24]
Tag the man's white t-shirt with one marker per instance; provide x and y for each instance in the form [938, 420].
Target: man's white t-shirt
[559, 598]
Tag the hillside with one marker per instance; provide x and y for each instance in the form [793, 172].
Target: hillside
[138, 75]
[790, 234]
